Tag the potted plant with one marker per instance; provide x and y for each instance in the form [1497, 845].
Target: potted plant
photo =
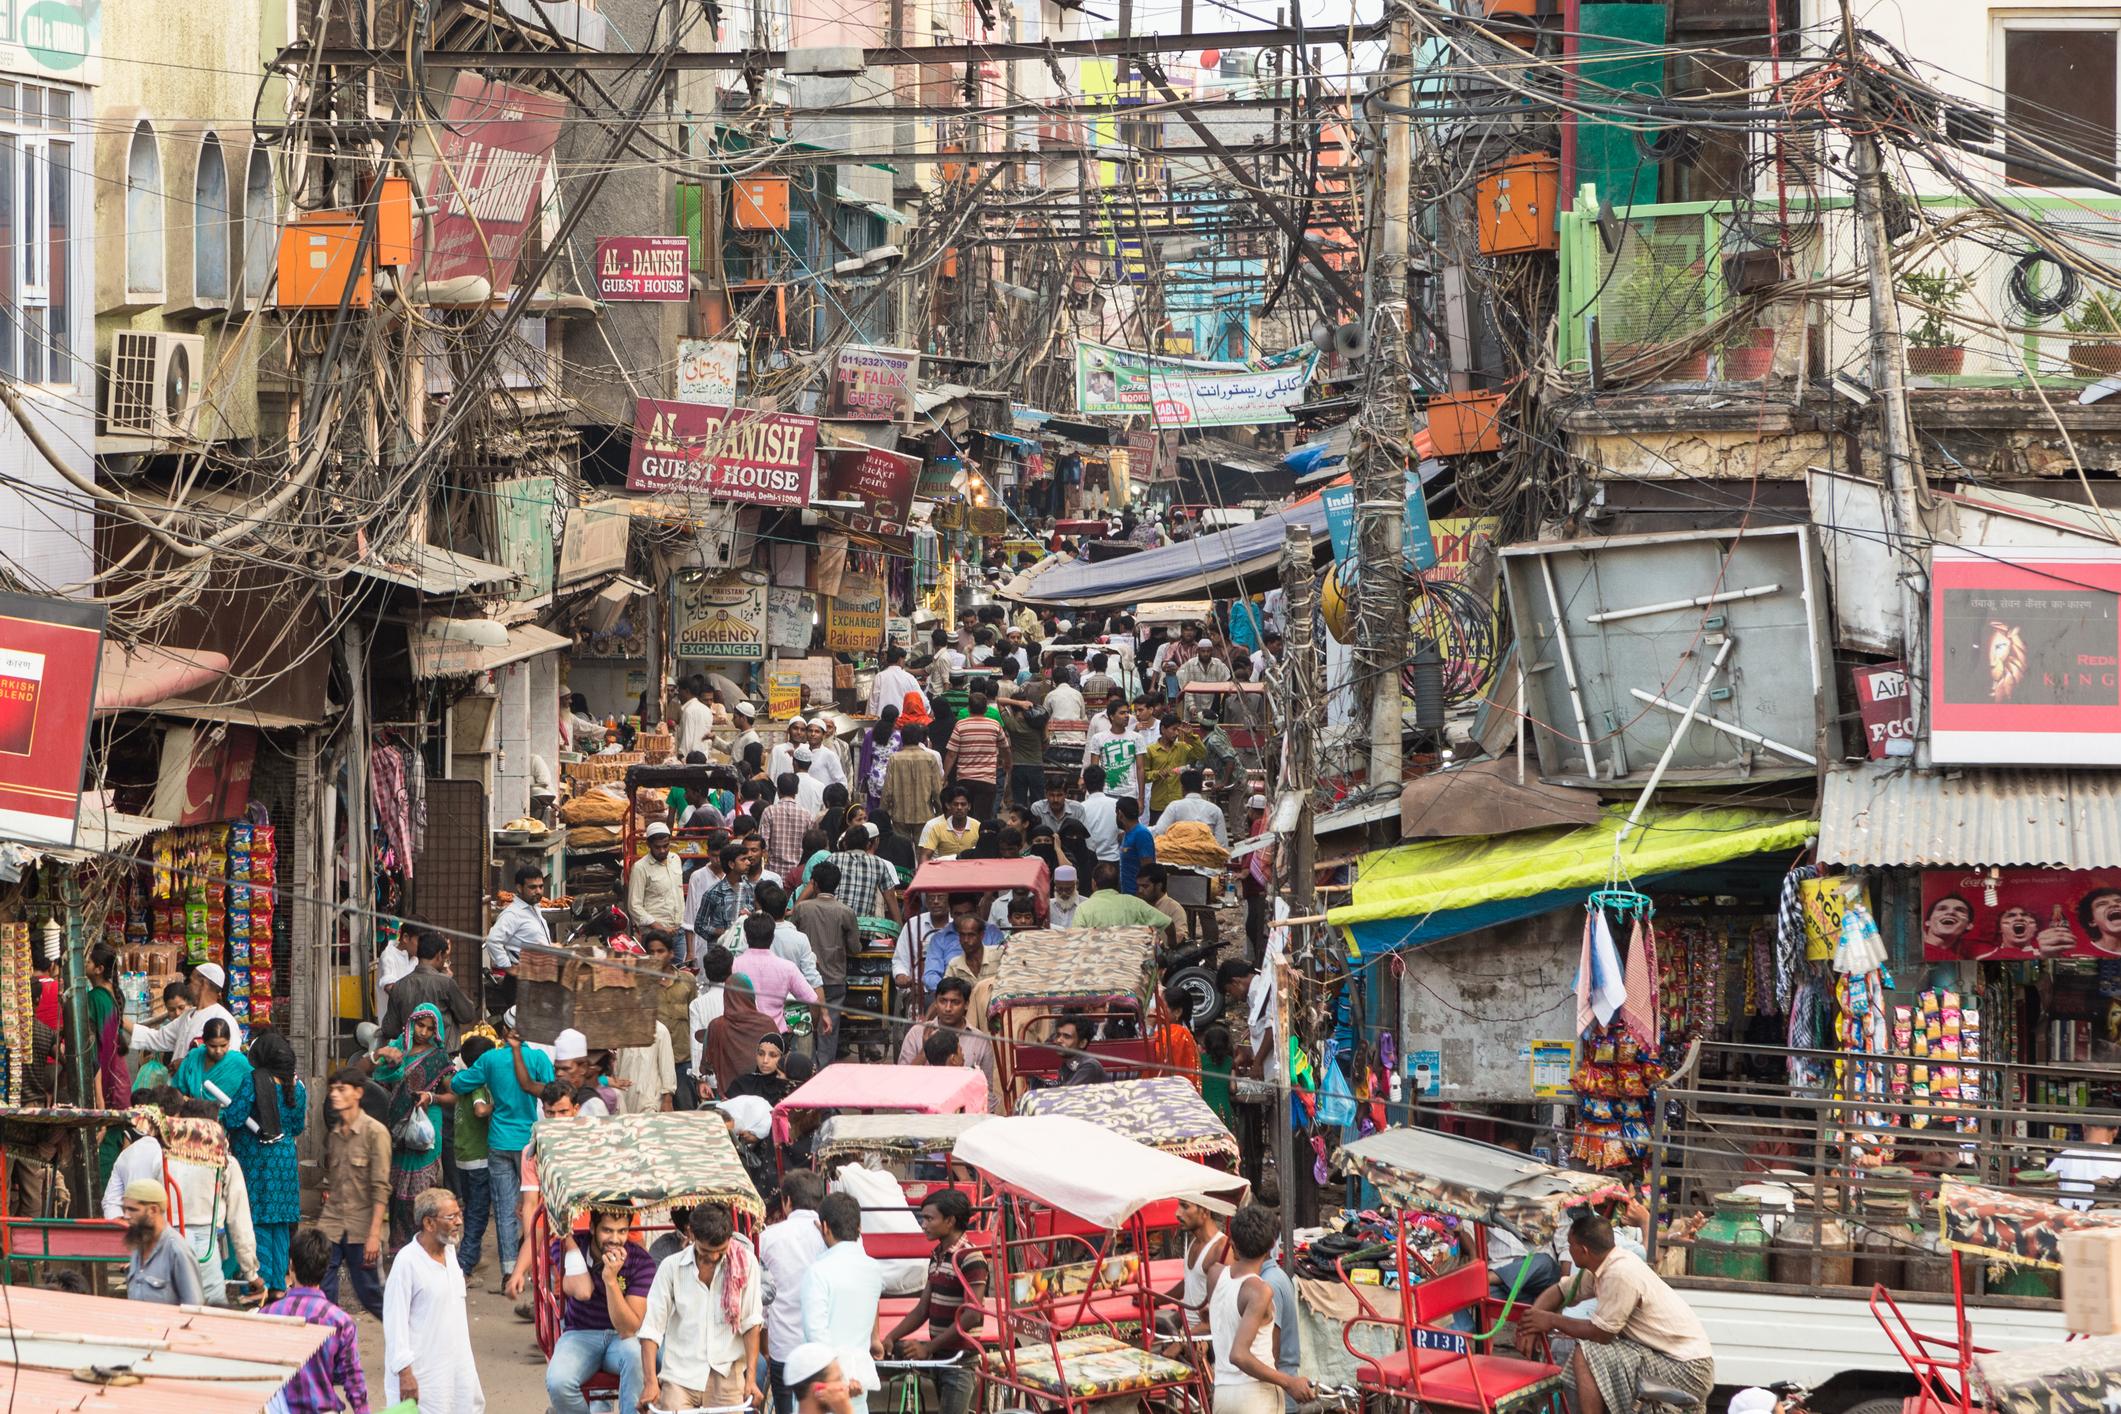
[1660, 302]
[1934, 346]
[1748, 354]
[2096, 323]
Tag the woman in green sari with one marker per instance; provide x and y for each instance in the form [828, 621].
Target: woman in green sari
[214, 1062]
[414, 1069]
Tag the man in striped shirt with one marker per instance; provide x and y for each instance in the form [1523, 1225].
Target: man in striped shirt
[335, 1369]
[781, 827]
[979, 754]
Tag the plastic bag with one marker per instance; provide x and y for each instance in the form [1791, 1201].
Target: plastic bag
[1336, 1102]
[417, 1134]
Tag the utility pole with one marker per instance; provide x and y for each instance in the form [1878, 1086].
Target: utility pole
[1300, 706]
[1902, 468]
[1380, 480]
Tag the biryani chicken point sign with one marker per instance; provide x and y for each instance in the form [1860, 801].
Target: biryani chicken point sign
[733, 454]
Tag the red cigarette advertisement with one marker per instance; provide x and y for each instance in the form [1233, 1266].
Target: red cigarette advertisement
[486, 193]
[882, 481]
[49, 650]
[2020, 915]
[2027, 655]
[636, 268]
[737, 454]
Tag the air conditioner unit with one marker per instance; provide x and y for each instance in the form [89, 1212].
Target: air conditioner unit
[154, 384]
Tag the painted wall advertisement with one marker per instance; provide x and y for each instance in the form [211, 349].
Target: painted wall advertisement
[486, 193]
[791, 614]
[854, 617]
[2020, 915]
[635, 268]
[1180, 392]
[707, 370]
[710, 449]
[872, 384]
[721, 617]
[49, 653]
[882, 481]
[2027, 655]
[56, 39]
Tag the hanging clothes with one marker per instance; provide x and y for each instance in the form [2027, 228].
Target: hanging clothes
[391, 802]
[1638, 1009]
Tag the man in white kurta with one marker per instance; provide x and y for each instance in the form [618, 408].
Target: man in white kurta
[426, 1333]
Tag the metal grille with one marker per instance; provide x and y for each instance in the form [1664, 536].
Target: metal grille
[450, 884]
[132, 383]
[1662, 286]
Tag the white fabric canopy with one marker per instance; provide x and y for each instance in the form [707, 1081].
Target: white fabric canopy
[1089, 1172]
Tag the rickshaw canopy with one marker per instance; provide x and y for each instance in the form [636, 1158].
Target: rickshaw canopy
[1162, 1111]
[623, 1163]
[893, 1135]
[1065, 965]
[1463, 1178]
[1091, 1174]
[900, 1089]
[980, 876]
[2017, 1227]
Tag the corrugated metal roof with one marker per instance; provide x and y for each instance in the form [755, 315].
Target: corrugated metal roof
[432, 569]
[1887, 813]
[183, 1355]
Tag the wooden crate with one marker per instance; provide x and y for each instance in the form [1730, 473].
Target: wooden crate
[602, 997]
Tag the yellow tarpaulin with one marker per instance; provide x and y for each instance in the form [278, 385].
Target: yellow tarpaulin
[1435, 876]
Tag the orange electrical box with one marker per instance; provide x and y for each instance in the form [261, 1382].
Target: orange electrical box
[394, 222]
[761, 204]
[317, 261]
[1463, 423]
[1517, 205]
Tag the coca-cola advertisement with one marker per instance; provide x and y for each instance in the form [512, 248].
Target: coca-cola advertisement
[2020, 915]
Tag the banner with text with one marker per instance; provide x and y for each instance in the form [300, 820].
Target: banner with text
[721, 617]
[707, 370]
[872, 385]
[494, 150]
[1180, 392]
[882, 481]
[854, 617]
[710, 449]
[634, 268]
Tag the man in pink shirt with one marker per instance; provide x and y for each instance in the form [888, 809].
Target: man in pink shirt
[774, 979]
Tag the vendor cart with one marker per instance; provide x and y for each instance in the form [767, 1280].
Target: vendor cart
[640, 1164]
[690, 845]
[1105, 977]
[2015, 1228]
[1075, 1317]
[1422, 1175]
[49, 1209]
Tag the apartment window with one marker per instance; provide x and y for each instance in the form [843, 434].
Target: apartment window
[2059, 90]
[210, 246]
[144, 219]
[37, 188]
[261, 226]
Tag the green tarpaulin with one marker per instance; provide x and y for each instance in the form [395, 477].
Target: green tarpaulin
[1433, 876]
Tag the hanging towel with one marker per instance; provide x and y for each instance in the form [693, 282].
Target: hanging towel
[1599, 989]
[1638, 1011]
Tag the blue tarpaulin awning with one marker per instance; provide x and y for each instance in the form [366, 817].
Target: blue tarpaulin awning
[1170, 570]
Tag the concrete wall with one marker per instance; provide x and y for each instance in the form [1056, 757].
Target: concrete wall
[189, 108]
[1481, 998]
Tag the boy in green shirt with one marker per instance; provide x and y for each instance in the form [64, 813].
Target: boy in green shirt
[474, 1184]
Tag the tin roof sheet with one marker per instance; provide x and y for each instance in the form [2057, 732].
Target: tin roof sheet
[1882, 814]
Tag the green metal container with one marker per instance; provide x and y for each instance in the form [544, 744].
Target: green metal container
[1732, 1243]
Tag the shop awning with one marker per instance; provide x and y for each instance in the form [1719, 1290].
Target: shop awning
[1888, 814]
[1170, 570]
[144, 674]
[432, 569]
[1434, 889]
[438, 655]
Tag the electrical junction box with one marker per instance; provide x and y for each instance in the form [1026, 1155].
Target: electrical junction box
[317, 261]
[760, 204]
[1516, 205]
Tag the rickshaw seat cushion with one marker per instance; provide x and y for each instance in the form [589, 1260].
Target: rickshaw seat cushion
[1091, 1367]
[1447, 1295]
[1446, 1378]
[898, 1246]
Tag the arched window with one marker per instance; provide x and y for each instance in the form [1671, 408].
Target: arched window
[261, 225]
[144, 218]
[210, 225]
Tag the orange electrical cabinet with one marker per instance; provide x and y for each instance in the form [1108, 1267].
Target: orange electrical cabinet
[394, 222]
[1463, 423]
[1517, 204]
[760, 204]
[317, 261]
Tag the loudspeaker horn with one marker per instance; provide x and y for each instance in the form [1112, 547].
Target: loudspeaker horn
[1350, 340]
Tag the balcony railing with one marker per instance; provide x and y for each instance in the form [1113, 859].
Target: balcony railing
[1664, 284]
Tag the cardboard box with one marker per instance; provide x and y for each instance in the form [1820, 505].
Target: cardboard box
[2091, 1281]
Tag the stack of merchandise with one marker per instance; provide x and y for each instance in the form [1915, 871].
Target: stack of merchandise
[18, 1003]
[1614, 1080]
[1938, 1033]
[212, 900]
